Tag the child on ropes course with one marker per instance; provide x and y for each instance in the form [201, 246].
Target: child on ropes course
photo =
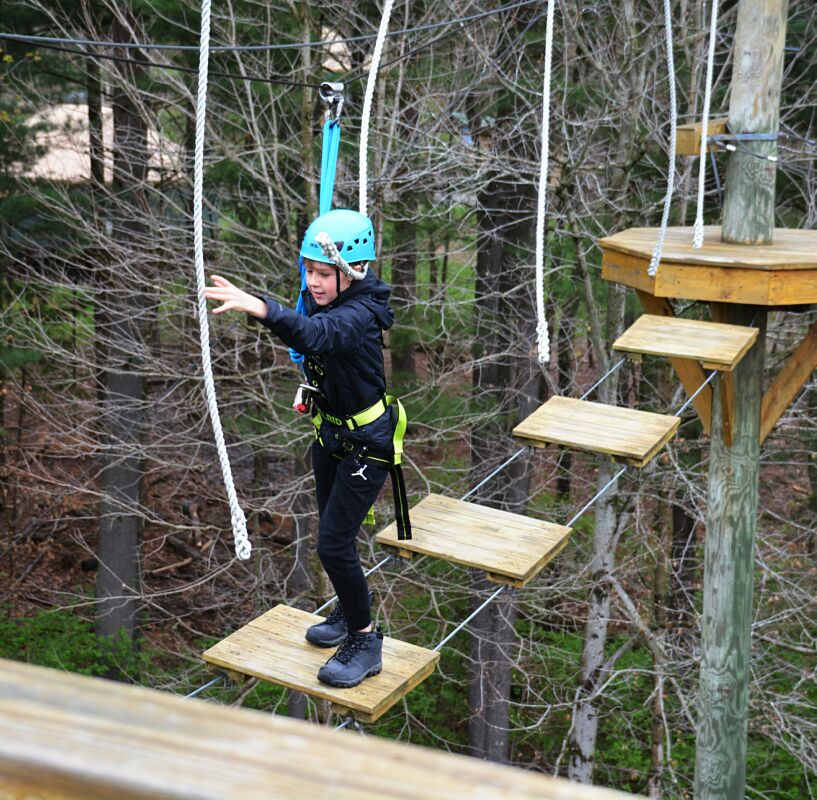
[358, 427]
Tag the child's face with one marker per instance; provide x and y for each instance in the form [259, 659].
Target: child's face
[322, 281]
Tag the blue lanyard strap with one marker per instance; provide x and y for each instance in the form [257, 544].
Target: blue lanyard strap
[329, 162]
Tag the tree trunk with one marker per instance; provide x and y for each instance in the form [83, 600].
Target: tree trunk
[404, 287]
[684, 564]
[122, 406]
[298, 582]
[493, 638]
[585, 710]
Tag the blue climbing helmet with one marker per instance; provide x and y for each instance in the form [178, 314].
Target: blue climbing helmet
[351, 231]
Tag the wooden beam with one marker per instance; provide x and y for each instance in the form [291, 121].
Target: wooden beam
[789, 381]
[688, 137]
[70, 737]
[689, 372]
[720, 314]
[728, 406]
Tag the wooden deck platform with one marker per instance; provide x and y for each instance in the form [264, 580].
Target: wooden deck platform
[781, 274]
[272, 647]
[634, 436]
[511, 548]
[715, 345]
[68, 737]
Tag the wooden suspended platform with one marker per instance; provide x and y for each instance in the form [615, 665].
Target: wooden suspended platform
[781, 274]
[634, 436]
[69, 737]
[511, 548]
[715, 345]
[272, 648]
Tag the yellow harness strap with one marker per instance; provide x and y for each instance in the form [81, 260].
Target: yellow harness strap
[366, 417]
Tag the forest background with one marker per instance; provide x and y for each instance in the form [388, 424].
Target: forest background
[109, 471]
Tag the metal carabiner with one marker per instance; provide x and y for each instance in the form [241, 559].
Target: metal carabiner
[332, 95]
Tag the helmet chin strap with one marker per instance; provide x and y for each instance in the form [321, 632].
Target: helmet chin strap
[330, 251]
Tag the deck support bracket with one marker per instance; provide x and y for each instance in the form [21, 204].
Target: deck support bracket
[796, 371]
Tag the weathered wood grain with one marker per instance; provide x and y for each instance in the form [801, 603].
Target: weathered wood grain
[779, 274]
[635, 436]
[68, 737]
[505, 545]
[688, 137]
[715, 345]
[788, 382]
[729, 555]
[689, 372]
[272, 647]
[793, 249]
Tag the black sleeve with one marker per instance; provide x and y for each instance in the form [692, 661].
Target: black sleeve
[335, 331]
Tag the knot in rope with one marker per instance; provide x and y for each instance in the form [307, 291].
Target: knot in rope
[330, 250]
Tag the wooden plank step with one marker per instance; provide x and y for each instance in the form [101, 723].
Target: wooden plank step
[70, 737]
[715, 345]
[634, 436]
[272, 647]
[511, 548]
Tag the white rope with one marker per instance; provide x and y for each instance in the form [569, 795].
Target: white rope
[367, 103]
[698, 238]
[662, 232]
[242, 544]
[542, 338]
[331, 251]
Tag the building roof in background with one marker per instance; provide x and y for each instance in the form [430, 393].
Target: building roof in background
[67, 141]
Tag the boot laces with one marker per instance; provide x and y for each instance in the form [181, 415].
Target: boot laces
[350, 647]
[336, 616]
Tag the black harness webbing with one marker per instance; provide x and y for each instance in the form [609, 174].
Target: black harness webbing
[401, 509]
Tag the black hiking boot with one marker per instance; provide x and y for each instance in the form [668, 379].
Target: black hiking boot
[333, 630]
[357, 658]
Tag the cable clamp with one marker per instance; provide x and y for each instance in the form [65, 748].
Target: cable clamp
[332, 94]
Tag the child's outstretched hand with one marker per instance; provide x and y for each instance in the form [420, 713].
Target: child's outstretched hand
[233, 298]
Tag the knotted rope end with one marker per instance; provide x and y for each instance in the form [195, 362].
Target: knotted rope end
[330, 251]
[543, 340]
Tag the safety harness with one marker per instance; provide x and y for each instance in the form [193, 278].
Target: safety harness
[362, 453]
[308, 397]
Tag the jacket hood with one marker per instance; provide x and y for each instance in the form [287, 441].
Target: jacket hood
[371, 292]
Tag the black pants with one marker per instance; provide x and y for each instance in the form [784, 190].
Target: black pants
[346, 489]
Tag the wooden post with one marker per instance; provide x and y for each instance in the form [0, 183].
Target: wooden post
[748, 209]
[720, 768]
[748, 218]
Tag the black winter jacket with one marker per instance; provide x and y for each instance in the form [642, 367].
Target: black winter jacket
[342, 344]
